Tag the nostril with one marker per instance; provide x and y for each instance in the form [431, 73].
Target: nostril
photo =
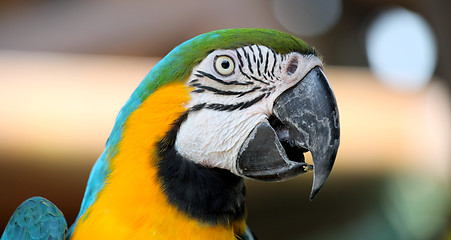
[293, 66]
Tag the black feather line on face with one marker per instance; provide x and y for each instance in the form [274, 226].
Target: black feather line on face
[229, 107]
[198, 91]
[260, 54]
[253, 53]
[258, 69]
[259, 80]
[266, 64]
[239, 57]
[200, 87]
[210, 76]
[193, 81]
[242, 72]
[249, 65]
[210, 195]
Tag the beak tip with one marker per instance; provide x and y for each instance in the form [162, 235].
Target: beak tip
[313, 195]
[314, 192]
[320, 175]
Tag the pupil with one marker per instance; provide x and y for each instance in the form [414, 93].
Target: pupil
[225, 64]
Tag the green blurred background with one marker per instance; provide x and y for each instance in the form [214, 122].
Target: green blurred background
[67, 67]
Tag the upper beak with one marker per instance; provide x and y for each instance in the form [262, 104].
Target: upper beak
[305, 118]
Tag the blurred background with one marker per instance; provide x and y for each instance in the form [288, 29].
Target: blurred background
[67, 67]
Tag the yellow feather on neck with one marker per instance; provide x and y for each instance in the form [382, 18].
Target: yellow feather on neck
[132, 204]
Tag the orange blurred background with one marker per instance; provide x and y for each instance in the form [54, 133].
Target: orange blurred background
[66, 69]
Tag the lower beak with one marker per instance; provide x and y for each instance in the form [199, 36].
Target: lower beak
[305, 119]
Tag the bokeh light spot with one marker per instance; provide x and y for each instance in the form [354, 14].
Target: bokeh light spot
[307, 17]
[401, 49]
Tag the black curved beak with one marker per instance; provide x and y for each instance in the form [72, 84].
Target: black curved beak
[305, 119]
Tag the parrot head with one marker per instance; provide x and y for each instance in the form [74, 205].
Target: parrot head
[223, 106]
[258, 101]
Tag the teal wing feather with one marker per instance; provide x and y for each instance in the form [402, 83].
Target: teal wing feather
[36, 218]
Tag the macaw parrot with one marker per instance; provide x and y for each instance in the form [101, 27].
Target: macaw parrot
[224, 106]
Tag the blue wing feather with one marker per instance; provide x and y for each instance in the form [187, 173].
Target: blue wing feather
[36, 218]
[248, 235]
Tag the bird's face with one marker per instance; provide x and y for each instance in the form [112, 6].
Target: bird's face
[255, 112]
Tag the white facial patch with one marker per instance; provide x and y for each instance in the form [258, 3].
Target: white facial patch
[234, 91]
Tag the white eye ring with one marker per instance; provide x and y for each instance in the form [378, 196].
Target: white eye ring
[224, 65]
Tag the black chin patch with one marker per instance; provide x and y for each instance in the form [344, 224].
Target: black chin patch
[210, 195]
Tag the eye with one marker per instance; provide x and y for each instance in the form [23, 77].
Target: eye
[224, 65]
